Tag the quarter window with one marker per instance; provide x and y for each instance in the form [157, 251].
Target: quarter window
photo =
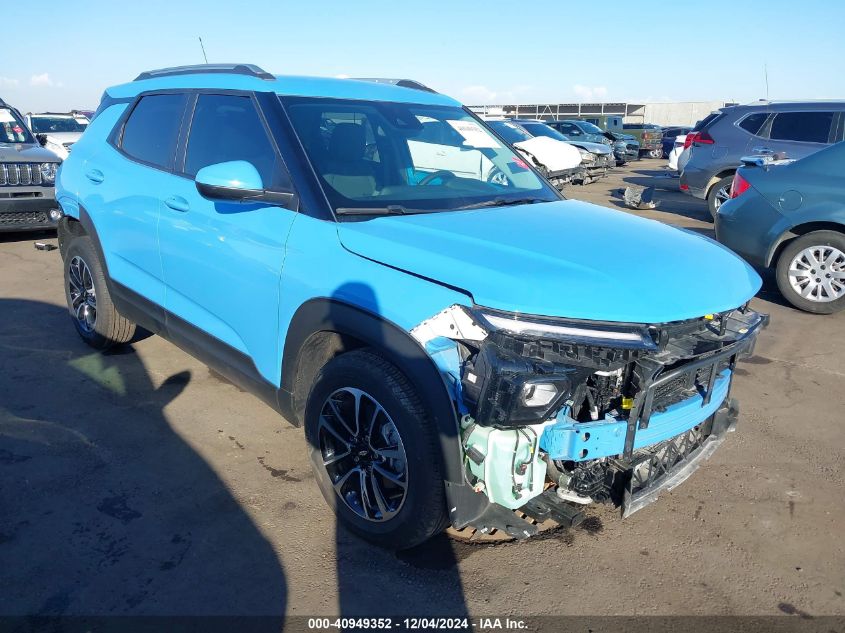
[753, 122]
[227, 128]
[810, 127]
[152, 129]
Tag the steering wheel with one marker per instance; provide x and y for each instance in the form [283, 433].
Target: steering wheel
[444, 175]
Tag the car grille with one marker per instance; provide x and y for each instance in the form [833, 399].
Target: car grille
[632, 147]
[17, 174]
[683, 387]
[23, 217]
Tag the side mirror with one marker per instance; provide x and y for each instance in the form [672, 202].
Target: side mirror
[237, 181]
[42, 139]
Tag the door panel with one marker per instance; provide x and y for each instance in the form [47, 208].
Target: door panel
[123, 191]
[222, 260]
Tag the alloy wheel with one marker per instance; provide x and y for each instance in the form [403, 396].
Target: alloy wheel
[817, 273]
[363, 454]
[83, 296]
[723, 194]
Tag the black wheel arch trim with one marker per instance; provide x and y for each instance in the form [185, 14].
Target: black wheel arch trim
[334, 316]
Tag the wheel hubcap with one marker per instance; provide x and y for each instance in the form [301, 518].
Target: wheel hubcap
[722, 195]
[818, 273]
[83, 297]
[363, 454]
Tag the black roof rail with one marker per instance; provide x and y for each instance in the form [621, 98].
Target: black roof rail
[403, 83]
[250, 70]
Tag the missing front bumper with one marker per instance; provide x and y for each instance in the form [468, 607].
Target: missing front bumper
[668, 465]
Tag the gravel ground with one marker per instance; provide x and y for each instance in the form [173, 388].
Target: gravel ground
[141, 483]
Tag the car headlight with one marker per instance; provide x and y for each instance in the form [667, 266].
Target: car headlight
[587, 157]
[582, 333]
[527, 368]
[48, 172]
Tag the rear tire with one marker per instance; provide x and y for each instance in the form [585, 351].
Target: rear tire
[379, 468]
[719, 193]
[821, 255]
[94, 316]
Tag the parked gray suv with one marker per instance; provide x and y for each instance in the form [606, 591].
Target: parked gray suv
[27, 176]
[720, 140]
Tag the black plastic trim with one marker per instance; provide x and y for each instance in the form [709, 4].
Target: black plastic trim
[331, 315]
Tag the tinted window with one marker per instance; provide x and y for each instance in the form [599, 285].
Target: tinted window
[151, 132]
[706, 121]
[511, 132]
[567, 128]
[753, 122]
[12, 129]
[812, 127]
[226, 128]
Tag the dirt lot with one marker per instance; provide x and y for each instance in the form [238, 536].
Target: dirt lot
[140, 483]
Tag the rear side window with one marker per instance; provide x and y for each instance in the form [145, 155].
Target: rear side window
[753, 122]
[710, 118]
[152, 129]
[226, 128]
[810, 127]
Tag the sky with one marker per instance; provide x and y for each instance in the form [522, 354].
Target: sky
[488, 52]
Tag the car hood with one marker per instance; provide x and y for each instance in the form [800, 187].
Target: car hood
[64, 137]
[595, 148]
[566, 259]
[553, 154]
[25, 153]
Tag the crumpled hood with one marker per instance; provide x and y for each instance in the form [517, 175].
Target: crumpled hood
[553, 154]
[25, 153]
[567, 259]
[595, 148]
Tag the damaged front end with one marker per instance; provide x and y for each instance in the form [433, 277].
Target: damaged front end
[559, 413]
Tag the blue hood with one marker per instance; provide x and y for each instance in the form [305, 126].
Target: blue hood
[568, 259]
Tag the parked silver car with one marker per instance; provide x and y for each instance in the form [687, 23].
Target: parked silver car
[719, 141]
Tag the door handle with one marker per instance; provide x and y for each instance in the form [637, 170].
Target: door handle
[177, 203]
[95, 176]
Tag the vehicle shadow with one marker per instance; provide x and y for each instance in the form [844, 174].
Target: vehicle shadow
[377, 582]
[104, 509]
[26, 236]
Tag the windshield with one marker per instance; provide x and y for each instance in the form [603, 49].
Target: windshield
[405, 158]
[541, 129]
[12, 129]
[47, 124]
[591, 129]
[511, 132]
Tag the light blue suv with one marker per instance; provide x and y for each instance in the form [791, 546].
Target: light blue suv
[464, 347]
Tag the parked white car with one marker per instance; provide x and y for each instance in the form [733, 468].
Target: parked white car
[57, 131]
[677, 150]
[560, 162]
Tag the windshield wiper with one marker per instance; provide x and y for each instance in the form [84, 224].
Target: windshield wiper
[501, 202]
[391, 209]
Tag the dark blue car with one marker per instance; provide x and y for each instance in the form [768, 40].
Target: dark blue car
[791, 216]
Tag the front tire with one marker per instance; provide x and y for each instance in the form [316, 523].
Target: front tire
[374, 451]
[94, 316]
[811, 272]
